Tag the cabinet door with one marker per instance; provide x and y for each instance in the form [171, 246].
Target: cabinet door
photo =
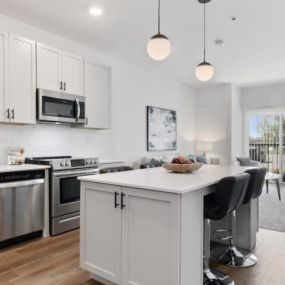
[72, 73]
[22, 80]
[4, 95]
[48, 67]
[100, 240]
[97, 89]
[150, 232]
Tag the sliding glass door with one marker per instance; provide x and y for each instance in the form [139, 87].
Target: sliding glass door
[266, 137]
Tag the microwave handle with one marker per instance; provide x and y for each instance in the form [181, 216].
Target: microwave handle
[77, 109]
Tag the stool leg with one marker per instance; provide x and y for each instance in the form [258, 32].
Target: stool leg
[278, 189]
[212, 277]
[230, 255]
[207, 225]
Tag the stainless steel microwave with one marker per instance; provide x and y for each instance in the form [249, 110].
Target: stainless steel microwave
[60, 107]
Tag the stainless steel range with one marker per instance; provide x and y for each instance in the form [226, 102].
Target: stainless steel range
[65, 189]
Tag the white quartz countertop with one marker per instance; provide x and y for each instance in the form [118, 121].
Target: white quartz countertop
[22, 167]
[158, 179]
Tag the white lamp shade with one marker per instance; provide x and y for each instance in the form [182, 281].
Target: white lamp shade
[159, 47]
[204, 71]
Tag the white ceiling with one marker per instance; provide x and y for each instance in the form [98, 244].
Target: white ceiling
[254, 49]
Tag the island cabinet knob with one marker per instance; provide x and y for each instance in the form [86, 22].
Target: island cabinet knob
[116, 204]
[122, 201]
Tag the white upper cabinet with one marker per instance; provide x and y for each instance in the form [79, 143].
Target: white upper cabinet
[22, 80]
[97, 89]
[72, 73]
[58, 70]
[4, 77]
[48, 67]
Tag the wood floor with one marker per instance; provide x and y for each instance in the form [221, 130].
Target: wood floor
[55, 260]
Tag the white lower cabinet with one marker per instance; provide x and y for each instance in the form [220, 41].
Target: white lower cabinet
[130, 236]
[100, 231]
[150, 239]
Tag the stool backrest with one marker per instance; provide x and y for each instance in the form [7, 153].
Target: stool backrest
[230, 192]
[256, 182]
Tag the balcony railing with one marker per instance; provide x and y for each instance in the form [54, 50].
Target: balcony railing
[270, 156]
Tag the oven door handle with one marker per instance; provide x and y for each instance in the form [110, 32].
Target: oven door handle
[78, 111]
[69, 219]
[78, 173]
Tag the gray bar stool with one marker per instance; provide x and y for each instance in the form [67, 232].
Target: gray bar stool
[229, 193]
[229, 254]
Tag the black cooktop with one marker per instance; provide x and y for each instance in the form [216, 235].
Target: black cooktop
[50, 157]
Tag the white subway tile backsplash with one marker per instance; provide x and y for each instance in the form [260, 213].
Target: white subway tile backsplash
[55, 140]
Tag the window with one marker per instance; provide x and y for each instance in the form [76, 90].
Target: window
[266, 141]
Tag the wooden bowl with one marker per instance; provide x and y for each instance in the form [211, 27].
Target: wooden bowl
[182, 168]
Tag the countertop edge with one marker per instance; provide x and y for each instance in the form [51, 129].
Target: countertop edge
[22, 167]
[158, 189]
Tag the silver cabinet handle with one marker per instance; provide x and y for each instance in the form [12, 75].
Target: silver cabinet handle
[78, 109]
[60, 85]
[64, 86]
[86, 121]
[8, 113]
[12, 114]
[21, 183]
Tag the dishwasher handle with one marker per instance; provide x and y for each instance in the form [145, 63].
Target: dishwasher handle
[21, 183]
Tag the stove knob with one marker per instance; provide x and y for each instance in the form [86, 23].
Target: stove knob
[62, 163]
[93, 161]
[67, 163]
[88, 161]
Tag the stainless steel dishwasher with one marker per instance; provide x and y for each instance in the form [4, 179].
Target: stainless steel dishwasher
[21, 203]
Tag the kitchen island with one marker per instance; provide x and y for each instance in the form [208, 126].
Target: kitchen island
[145, 227]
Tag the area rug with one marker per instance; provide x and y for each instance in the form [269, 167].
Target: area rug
[271, 210]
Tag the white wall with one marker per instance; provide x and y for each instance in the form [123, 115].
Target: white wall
[133, 90]
[219, 121]
[213, 119]
[266, 96]
[236, 124]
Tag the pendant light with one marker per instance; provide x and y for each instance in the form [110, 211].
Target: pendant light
[159, 46]
[204, 71]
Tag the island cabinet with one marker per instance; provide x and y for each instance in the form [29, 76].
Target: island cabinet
[132, 236]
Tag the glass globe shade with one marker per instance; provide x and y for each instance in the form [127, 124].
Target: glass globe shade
[159, 47]
[204, 71]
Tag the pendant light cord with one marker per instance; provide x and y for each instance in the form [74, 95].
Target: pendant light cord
[204, 31]
[159, 17]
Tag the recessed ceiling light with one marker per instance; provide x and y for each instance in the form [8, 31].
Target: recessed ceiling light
[96, 11]
[219, 42]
